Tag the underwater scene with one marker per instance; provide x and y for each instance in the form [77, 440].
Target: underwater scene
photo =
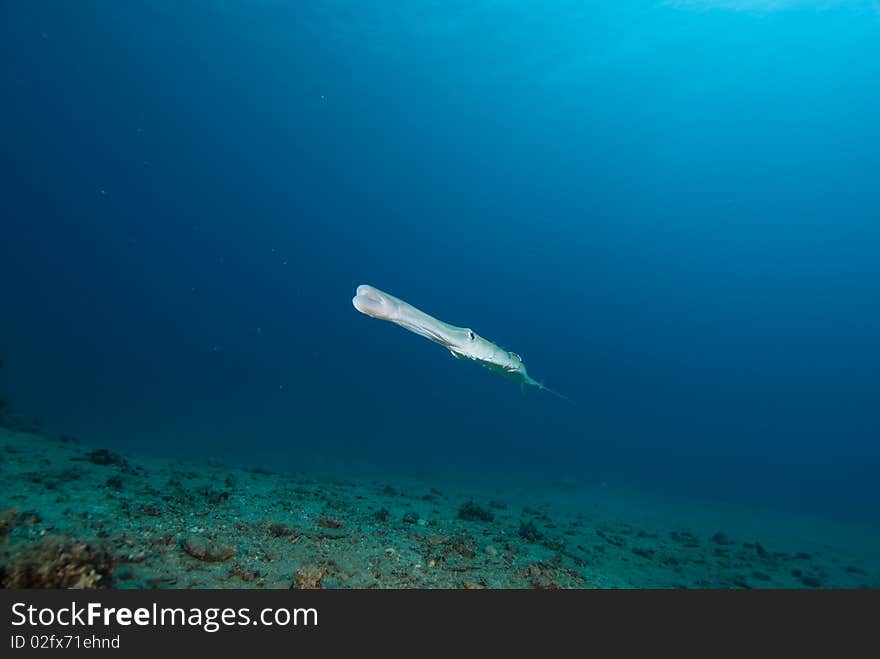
[423, 294]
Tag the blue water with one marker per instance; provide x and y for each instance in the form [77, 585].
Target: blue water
[671, 210]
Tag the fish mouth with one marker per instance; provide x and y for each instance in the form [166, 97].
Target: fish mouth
[376, 304]
[372, 302]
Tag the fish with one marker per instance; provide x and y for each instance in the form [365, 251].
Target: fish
[462, 342]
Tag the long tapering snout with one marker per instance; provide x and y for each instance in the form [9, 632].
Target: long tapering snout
[372, 302]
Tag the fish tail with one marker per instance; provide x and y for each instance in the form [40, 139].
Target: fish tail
[543, 387]
[557, 394]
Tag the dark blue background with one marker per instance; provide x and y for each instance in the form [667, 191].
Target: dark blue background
[673, 216]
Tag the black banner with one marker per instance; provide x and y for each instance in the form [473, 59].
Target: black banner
[135, 622]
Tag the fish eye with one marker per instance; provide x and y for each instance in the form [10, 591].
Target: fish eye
[471, 335]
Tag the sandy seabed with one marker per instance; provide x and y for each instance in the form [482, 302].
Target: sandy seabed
[77, 516]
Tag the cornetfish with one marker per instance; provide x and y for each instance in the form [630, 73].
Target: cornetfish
[462, 342]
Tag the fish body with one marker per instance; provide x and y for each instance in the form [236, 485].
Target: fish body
[462, 342]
